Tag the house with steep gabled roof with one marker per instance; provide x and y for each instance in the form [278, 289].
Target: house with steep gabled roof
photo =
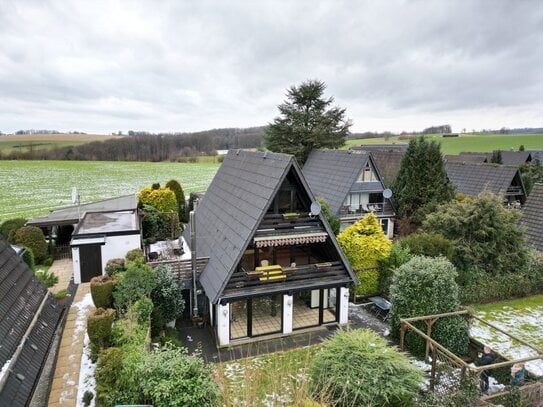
[501, 180]
[532, 217]
[351, 183]
[388, 164]
[274, 265]
[28, 319]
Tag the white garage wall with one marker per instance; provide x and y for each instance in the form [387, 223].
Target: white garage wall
[117, 246]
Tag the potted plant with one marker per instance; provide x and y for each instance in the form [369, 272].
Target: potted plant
[61, 295]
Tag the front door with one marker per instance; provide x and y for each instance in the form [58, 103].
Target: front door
[90, 259]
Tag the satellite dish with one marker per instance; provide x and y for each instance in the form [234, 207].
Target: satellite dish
[315, 208]
[387, 193]
[74, 195]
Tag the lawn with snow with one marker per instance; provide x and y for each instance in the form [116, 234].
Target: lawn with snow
[522, 318]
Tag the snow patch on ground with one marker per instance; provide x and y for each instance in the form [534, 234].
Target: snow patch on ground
[523, 323]
[86, 372]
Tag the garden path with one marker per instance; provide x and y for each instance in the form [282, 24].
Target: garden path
[63, 269]
[68, 366]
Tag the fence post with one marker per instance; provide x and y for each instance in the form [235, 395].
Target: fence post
[434, 364]
[429, 324]
[402, 334]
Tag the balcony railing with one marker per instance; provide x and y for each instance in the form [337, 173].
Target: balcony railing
[377, 208]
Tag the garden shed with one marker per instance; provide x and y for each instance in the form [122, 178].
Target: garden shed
[102, 236]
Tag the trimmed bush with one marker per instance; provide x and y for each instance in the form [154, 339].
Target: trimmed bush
[102, 291]
[10, 226]
[180, 197]
[170, 378]
[429, 244]
[427, 286]
[137, 281]
[115, 266]
[167, 299]
[28, 258]
[108, 376]
[142, 309]
[99, 326]
[32, 238]
[135, 254]
[163, 199]
[357, 368]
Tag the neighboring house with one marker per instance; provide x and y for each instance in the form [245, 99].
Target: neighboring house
[370, 148]
[273, 267]
[352, 185]
[102, 236]
[388, 164]
[514, 158]
[473, 179]
[532, 217]
[28, 319]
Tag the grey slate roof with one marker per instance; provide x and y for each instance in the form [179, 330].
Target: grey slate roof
[233, 207]
[472, 179]
[388, 164]
[21, 294]
[532, 217]
[401, 147]
[474, 158]
[70, 215]
[516, 158]
[331, 173]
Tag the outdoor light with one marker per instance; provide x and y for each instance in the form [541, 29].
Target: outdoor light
[224, 312]
[289, 302]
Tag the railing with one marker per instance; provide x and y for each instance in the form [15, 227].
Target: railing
[377, 208]
[62, 252]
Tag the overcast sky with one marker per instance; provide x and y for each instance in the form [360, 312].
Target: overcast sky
[103, 66]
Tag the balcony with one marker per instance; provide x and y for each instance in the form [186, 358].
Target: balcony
[377, 208]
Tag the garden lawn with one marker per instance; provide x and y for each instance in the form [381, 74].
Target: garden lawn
[269, 380]
[522, 318]
[33, 188]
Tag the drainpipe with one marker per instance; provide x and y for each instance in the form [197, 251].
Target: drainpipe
[193, 262]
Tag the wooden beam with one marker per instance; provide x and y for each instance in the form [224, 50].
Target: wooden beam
[437, 316]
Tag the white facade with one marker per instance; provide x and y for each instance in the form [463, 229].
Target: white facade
[113, 247]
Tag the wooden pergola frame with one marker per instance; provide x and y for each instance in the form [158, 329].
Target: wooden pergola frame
[434, 347]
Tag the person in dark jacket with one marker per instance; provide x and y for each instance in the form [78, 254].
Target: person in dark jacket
[486, 358]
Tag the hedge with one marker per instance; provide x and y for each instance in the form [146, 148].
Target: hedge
[102, 291]
[32, 238]
[99, 326]
[114, 266]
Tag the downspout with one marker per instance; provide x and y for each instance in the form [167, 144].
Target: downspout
[193, 262]
[23, 341]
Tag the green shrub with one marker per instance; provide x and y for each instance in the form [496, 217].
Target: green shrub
[142, 309]
[167, 298]
[135, 254]
[101, 288]
[429, 244]
[137, 281]
[32, 238]
[171, 378]
[427, 286]
[99, 326]
[333, 221]
[467, 395]
[48, 262]
[171, 336]
[28, 258]
[87, 398]
[49, 279]
[114, 266]
[158, 226]
[398, 255]
[10, 226]
[108, 377]
[163, 199]
[369, 281]
[180, 197]
[357, 368]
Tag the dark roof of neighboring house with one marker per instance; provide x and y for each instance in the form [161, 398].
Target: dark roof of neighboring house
[532, 217]
[233, 207]
[331, 174]
[472, 179]
[21, 296]
[516, 158]
[72, 214]
[388, 164]
[402, 147]
[473, 158]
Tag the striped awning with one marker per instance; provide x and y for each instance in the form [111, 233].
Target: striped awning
[291, 239]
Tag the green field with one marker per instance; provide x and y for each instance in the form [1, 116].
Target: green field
[469, 142]
[33, 188]
[33, 142]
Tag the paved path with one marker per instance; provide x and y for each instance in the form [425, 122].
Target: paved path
[66, 376]
[63, 269]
